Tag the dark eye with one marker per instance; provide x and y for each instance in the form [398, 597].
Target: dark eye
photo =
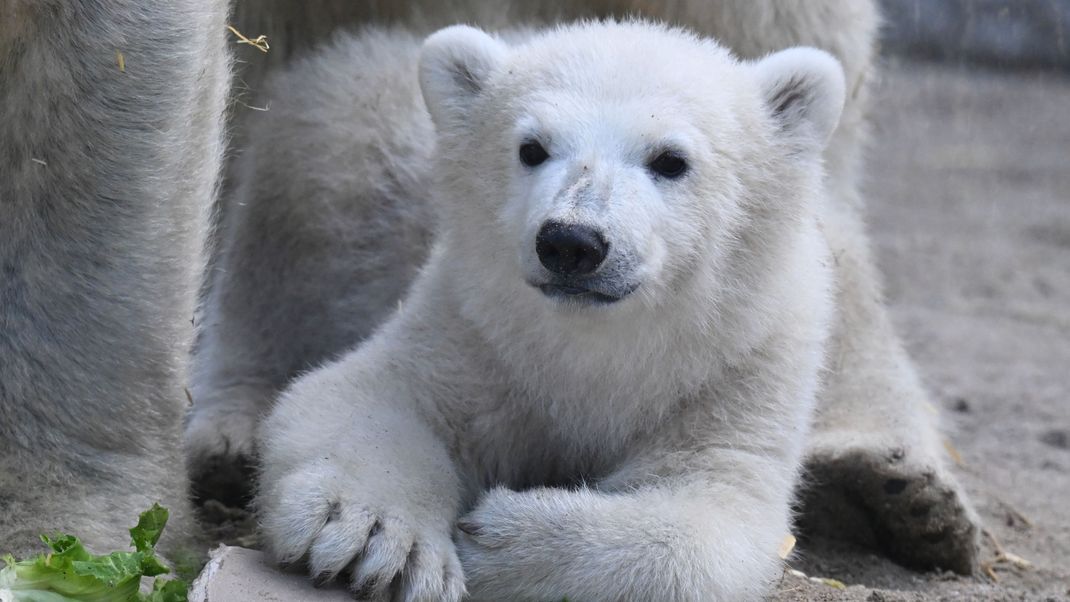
[668, 164]
[532, 153]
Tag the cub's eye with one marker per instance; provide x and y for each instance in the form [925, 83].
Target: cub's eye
[532, 153]
[668, 164]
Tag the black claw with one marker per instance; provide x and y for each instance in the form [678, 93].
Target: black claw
[468, 527]
[334, 510]
[322, 579]
[293, 564]
[376, 528]
[365, 589]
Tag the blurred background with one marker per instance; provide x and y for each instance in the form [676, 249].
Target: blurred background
[968, 184]
[1029, 34]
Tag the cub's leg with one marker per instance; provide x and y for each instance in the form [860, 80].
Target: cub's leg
[329, 227]
[685, 541]
[876, 454]
[358, 482]
[325, 220]
[110, 144]
[697, 512]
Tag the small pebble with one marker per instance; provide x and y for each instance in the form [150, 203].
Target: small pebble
[1056, 438]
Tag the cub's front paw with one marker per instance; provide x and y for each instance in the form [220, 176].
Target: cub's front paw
[489, 537]
[507, 545]
[382, 549]
[501, 518]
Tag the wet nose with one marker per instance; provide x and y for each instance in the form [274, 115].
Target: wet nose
[570, 249]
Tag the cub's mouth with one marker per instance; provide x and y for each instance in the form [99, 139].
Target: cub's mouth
[583, 295]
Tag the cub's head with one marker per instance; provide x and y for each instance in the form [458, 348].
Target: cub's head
[615, 165]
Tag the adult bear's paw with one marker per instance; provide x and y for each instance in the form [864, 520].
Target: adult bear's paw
[220, 444]
[908, 506]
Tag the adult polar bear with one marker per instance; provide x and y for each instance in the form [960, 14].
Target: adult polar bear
[877, 468]
[622, 320]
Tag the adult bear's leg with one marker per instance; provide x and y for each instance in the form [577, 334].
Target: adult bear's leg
[110, 146]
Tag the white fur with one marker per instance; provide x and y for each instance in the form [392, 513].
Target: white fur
[679, 413]
[329, 222]
[268, 316]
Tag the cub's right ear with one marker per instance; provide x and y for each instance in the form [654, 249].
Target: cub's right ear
[455, 64]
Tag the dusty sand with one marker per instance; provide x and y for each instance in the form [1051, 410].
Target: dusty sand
[970, 214]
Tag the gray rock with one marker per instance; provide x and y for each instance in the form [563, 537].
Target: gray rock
[244, 575]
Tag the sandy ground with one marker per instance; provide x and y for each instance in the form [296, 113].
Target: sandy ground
[970, 215]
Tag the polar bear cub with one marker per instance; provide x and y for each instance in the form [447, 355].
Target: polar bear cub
[600, 385]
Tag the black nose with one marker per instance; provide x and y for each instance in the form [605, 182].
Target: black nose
[570, 249]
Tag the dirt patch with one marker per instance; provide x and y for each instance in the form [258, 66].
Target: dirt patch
[969, 190]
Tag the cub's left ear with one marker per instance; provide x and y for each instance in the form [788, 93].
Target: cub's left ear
[455, 64]
[804, 90]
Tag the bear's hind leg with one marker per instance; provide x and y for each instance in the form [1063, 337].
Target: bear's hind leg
[877, 469]
[328, 224]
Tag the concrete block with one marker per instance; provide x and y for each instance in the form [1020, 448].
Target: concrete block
[244, 575]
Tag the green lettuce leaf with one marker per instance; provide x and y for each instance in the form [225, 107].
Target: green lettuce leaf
[149, 527]
[69, 573]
